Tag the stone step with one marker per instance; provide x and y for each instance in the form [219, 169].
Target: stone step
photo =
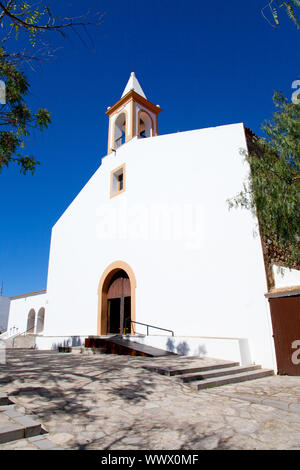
[220, 372]
[4, 400]
[11, 432]
[19, 431]
[41, 442]
[18, 427]
[12, 410]
[21, 342]
[14, 423]
[230, 379]
[187, 370]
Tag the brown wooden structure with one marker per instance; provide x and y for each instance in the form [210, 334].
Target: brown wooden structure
[285, 315]
[119, 304]
[122, 346]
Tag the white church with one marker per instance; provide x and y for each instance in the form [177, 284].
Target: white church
[149, 247]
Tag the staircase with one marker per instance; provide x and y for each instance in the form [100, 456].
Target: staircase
[24, 340]
[18, 430]
[21, 341]
[223, 373]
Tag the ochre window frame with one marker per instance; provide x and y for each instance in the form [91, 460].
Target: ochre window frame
[112, 173]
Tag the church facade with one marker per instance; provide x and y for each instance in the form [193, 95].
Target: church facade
[150, 242]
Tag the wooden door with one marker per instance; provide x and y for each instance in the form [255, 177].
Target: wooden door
[119, 315]
[285, 314]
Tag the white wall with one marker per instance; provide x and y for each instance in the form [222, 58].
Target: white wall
[4, 311]
[208, 280]
[19, 310]
[285, 277]
[229, 349]
[52, 342]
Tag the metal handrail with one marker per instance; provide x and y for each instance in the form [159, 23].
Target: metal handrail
[151, 326]
[119, 141]
[13, 337]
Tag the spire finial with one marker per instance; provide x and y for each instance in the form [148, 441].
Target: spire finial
[133, 84]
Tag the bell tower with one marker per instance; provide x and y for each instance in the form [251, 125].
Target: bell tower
[132, 116]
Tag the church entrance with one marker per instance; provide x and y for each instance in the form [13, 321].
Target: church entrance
[116, 300]
[118, 304]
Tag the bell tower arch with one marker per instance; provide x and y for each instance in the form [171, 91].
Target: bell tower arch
[132, 116]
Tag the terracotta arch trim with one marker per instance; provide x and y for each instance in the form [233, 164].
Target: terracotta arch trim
[152, 126]
[103, 289]
[127, 131]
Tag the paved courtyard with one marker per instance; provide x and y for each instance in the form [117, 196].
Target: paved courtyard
[112, 402]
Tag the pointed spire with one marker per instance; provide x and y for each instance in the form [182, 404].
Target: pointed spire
[133, 84]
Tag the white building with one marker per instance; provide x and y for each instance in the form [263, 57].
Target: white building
[150, 240]
[4, 312]
[26, 313]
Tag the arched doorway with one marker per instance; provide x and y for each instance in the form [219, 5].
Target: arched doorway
[116, 299]
[145, 124]
[30, 321]
[120, 130]
[40, 320]
[118, 304]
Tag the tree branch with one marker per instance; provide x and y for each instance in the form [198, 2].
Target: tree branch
[29, 26]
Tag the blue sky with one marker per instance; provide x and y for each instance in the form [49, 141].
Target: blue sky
[204, 63]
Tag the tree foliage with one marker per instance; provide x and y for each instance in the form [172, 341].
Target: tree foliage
[21, 22]
[17, 119]
[272, 10]
[272, 191]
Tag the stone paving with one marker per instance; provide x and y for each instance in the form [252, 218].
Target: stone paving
[281, 392]
[112, 402]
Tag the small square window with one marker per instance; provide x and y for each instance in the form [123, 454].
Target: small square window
[117, 181]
